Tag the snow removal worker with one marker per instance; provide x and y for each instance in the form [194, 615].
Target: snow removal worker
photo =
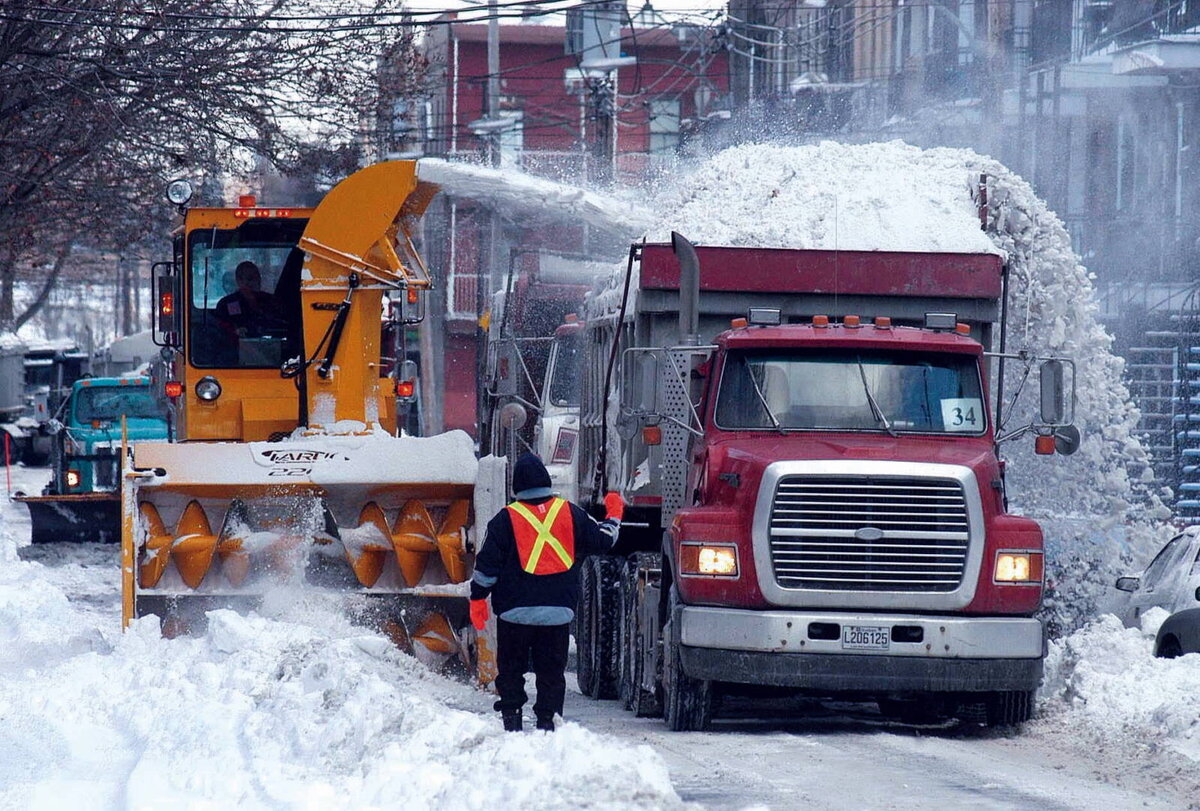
[529, 565]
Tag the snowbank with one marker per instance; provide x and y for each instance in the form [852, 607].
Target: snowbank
[1097, 507]
[1106, 677]
[296, 710]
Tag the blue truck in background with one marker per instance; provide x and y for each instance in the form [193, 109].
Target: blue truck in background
[81, 503]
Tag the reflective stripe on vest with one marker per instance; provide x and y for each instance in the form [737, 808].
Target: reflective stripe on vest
[534, 535]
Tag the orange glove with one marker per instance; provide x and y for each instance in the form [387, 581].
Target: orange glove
[614, 506]
[479, 614]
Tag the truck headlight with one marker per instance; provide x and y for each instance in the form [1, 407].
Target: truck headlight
[207, 388]
[1019, 567]
[73, 478]
[710, 560]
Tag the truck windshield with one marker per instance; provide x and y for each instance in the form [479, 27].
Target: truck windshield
[110, 403]
[244, 294]
[828, 390]
[564, 373]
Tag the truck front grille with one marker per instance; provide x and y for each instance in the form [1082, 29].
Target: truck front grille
[104, 471]
[878, 533]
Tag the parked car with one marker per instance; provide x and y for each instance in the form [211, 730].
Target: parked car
[1170, 582]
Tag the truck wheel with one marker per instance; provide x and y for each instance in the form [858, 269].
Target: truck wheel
[687, 702]
[1009, 707]
[643, 703]
[595, 644]
[1169, 649]
[627, 636]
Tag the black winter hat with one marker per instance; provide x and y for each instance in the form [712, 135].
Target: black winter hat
[529, 474]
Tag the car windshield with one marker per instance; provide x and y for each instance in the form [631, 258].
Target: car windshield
[110, 403]
[244, 294]
[564, 380]
[839, 390]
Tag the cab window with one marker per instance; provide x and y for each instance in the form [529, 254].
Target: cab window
[244, 294]
[110, 403]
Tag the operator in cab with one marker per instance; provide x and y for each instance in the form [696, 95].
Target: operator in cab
[529, 566]
[248, 310]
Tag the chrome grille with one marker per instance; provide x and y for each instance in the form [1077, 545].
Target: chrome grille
[920, 545]
[104, 471]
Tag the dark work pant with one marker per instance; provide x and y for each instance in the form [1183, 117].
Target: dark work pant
[546, 645]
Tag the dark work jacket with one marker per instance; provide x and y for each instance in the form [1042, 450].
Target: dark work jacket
[498, 569]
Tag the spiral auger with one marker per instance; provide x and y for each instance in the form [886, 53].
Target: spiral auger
[390, 557]
[196, 552]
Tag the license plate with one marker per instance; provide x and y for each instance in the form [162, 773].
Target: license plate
[865, 637]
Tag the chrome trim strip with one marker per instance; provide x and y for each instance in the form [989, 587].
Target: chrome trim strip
[844, 598]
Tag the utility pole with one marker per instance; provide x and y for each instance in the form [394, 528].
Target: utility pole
[485, 281]
[493, 84]
[600, 61]
[602, 148]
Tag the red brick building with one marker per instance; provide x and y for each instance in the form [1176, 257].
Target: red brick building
[680, 78]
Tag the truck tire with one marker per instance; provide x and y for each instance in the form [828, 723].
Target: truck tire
[687, 702]
[596, 643]
[641, 702]
[627, 636]
[1009, 707]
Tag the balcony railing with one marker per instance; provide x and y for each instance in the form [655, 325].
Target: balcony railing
[1071, 29]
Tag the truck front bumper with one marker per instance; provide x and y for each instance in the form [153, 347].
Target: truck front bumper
[805, 649]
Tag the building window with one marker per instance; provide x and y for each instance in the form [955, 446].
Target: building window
[664, 126]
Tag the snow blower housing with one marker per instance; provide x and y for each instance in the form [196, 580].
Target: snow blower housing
[284, 467]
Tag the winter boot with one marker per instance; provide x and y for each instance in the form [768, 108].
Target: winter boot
[512, 720]
[545, 723]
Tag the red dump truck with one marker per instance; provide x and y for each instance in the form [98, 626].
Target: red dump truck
[809, 448]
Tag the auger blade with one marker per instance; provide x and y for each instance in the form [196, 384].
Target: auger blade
[367, 544]
[436, 636]
[413, 539]
[157, 551]
[194, 545]
[450, 540]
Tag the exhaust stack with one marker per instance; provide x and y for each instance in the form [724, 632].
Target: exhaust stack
[689, 289]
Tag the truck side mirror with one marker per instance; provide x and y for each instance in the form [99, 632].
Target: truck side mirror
[1067, 439]
[1053, 405]
[513, 416]
[507, 370]
[1128, 583]
[167, 302]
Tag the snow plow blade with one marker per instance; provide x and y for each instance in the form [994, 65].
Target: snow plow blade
[77, 518]
[383, 524]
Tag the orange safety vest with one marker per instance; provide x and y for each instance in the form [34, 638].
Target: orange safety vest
[545, 535]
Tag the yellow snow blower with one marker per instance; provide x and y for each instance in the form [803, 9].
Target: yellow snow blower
[282, 333]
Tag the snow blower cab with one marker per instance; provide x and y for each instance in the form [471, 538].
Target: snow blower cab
[284, 469]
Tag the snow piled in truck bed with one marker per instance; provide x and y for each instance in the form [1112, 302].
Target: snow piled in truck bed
[1097, 506]
[1105, 677]
[301, 710]
[869, 197]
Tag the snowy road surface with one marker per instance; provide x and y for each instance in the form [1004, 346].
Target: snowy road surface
[311, 713]
[810, 757]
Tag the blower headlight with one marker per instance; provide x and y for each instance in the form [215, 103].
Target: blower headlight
[207, 388]
[179, 192]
